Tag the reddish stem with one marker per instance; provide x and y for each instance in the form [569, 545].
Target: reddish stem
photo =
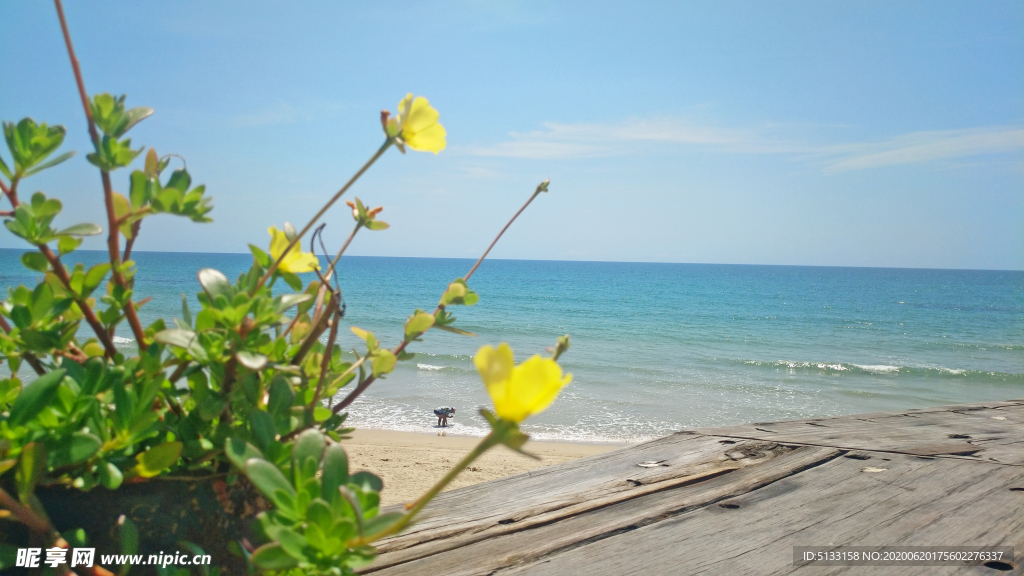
[108, 190]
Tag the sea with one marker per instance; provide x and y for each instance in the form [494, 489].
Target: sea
[657, 348]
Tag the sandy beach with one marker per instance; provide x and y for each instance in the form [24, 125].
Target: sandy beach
[410, 463]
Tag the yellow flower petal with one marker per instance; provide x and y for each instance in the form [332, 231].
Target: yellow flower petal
[294, 261]
[404, 107]
[432, 139]
[299, 263]
[418, 125]
[421, 116]
[494, 365]
[537, 383]
[278, 242]
[519, 392]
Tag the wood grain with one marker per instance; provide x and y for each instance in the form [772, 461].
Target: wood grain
[736, 500]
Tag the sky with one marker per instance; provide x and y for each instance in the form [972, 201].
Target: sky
[790, 132]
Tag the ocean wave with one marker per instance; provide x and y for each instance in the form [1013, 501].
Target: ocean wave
[878, 368]
[883, 370]
[429, 367]
[122, 340]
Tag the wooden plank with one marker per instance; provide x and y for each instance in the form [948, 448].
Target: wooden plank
[987, 426]
[516, 502]
[597, 514]
[913, 501]
[554, 531]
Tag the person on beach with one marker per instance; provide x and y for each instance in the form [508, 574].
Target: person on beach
[443, 414]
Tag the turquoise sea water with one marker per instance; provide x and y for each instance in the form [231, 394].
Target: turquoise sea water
[662, 347]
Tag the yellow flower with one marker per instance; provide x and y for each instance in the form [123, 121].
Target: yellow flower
[519, 391]
[417, 125]
[295, 261]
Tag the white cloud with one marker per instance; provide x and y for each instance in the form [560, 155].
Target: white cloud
[564, 141]
[929, 146]
[560, 141]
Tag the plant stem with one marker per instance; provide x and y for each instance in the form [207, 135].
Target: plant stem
[318, 308]
[366, 383]
[330, 269]
[486, 444]
[108, 191]
[131, 241]
[326, 362]
[498, 237]
[315, 332]
[25, 515]
[65, 279]
[273, 266]
[28, 356]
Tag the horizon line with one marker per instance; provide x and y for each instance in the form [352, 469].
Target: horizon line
[603, 261]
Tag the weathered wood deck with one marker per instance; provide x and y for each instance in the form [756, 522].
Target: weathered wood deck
[736, 500]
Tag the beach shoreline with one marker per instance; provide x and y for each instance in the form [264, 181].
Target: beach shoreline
[410, 463]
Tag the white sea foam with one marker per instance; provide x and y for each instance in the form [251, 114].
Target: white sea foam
[878, 368]
[122, 340]
[429, 367]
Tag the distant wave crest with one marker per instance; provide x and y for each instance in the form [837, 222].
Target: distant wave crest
[884, 370]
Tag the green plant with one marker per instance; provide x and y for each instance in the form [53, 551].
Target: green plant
[236, 390]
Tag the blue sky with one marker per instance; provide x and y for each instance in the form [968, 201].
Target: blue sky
[815, 133]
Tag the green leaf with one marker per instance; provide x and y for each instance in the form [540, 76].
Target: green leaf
[8, 557]
[43, 206]
[80, 447]
[281, 395]
[95, 276]
[454, 330]
[35, 397]
[51, 163]
[335, 472]
[366, 481]
[261, 257]
[263, 429]
[239, 452]
[110, 475]
[286, 301]
[418, 323]
[384, 362]
[310, 444]
[30, 467]
[179, 180]
[30, 143]
[459, 293]
[292, 280]
[377, 225]
[137, 191]
[382, 522]
[273, 557]
[134, 116]
[129, 534]
[67, 244]
[186, 339]
[35, 261]
[292, 543]
[271, 482]
[186, 314]
[157, 459]
[215, 284]
[251, 360]
[319, 513]
[5, 170]
[81, 230]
